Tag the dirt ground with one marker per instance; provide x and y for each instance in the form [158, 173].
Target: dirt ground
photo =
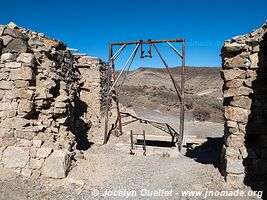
[104, 168]
[107, 169]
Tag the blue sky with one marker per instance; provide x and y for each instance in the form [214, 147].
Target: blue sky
[90, 25]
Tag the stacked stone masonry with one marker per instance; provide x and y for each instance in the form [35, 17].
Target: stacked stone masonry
[39, 93]
[93, 93]
[244, 155]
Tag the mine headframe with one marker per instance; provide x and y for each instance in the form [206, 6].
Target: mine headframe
[112, 91]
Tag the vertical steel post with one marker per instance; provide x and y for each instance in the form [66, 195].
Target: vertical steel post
[132, 146]
[144, 147]
[117, 99]
[108, 97]
[181, 138]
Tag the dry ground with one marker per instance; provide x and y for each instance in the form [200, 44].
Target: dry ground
[106, 168]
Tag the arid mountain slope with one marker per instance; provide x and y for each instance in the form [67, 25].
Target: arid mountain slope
[151, 88]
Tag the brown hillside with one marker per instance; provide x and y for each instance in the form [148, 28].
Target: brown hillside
[151, 88]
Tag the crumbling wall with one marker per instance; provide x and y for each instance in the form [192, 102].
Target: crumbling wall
[92, 98]
[244, 155]
[38, 89]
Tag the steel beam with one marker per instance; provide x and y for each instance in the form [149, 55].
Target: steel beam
[148, 41]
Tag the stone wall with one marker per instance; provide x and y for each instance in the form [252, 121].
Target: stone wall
[39, 84]
[244, 73]
[92, 98]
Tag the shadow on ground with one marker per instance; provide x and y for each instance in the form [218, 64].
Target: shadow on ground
[81, 127]
[208, 152]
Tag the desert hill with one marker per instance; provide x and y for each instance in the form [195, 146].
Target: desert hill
[151, 88]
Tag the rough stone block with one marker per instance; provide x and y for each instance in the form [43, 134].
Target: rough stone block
[24, 134]
[60, 105]
[60, 110]
[236, 180]
[244, 152]
[36, 173]
[232, 152]
[236, 114]
[2, 93]
[254, 58]
[25, 58]
[234, 83]
[236, 62]
[21, 83]
[6, 39]
[15, 157]
[242, 102]
[16, 46]
[242, 127]
[23, 73]
[234, 140]
[15, 33]
[26, 172]
[12, 25]
[6, 85]
[25, 106]
[62, 98]
[44, 152]
[8, 57]
[13, 65]
[37, 143]
[234, 166]
[241, 91]
[24, 143]
[56, 165]
[15, 122]
[19, 94]
[231, 74]
[2, 28]
[35, 164]
[5, 106]
[233, 47]
[231, 124]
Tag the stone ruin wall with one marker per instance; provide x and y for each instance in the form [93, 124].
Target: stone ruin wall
[41, 117]
[244, 155]
[92, 95]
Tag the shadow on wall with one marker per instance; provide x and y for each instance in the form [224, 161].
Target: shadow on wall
[208, 152]
[256, 129]
[81, 127]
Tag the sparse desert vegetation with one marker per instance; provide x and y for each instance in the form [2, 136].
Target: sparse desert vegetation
[203, 93]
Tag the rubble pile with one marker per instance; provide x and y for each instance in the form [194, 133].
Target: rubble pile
[244, 73]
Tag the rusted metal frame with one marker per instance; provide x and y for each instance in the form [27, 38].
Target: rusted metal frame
[127, 71]
[116, 99]
[144, 147]
[125, 65]
[175, 50]
[148, 41]
[180, 91]
[132, 143]
[149, 52]
[118, 52]
[176, 86]
[181, 136]
[115, 92]
[107, 97]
